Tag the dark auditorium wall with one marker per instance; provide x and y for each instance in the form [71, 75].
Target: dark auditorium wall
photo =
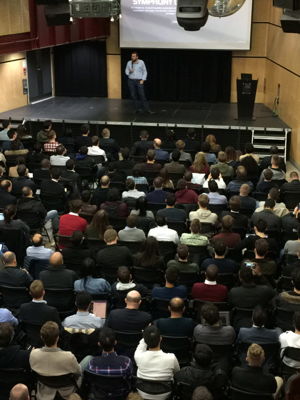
[80, 69]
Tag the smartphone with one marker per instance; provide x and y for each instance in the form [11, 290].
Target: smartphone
[249, 264]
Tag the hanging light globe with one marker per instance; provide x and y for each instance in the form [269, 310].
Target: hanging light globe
[224, 8]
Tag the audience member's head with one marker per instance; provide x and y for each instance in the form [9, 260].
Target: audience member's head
[104, 181]
[202, 393]
[181, 184]
[144, 135]
[215, 173]
[110, 236]
[70, 165]
[275, 161]
[188, 176]
[203, 201]
[107, 339]
[227, 223]
[113, 195]
[205, 147]
[176, 306]
[150, 155]
[245, 190]
[180, 145]
[222, 157]
[211, 273]
[95, 140]
[270, 204]
[220, 248]
[9, 213]
[50, 333]
[260, 226]
[37, 240]
[130, 185]
[210, 314]
[152, 337]
[85, 129]
[261, 248]
[124, 275]
[195, 226]
[212, 186]
[241, 173]
[160, 220]
[175, 155]
[9, 259]
[77, 238]
[133, 300]
[203, 355]
[56, 259]
[157, 182]
[274, 194]
[131, 221]
[105, 133]
[255, 355]
[83, 301]
[55, 173]
[6, 185]
[37, 290]
[259, 317]
[294, 176]
[246, 275]
[182, 252]
[268, 174]
[172, 275]
[19, 392]
[235, 203]
[75, 206]
[6, 334]
[170, 200]
[157, 143]
[27, 192]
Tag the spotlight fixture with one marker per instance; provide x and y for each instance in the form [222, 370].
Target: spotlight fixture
[193, 14]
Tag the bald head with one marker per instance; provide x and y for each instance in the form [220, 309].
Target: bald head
[133, 299]
[244, 190]
[19, 392]
[176, 306]
[37, 240]
[9, 259]
[56, 259]
[157, 143]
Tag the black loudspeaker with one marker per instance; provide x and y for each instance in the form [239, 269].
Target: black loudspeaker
[50, 2]
[57, 14]
[290, 22]
[291, 4]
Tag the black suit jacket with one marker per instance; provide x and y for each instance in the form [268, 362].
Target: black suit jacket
[14, 276]
[114, 256]
[40, 175]
[99, 196]
[38, 313]
[19, 183]
[141, 147]
[58, 277]
[6, 199]
[13, 356]
[240, 220]
[53, 195]
[111, 148]
[253, 379]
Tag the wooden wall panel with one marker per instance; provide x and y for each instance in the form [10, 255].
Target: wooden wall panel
[14, 17]
[258, 42]
[11, 75]
[114, 76]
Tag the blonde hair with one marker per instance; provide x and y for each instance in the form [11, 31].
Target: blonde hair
[211, 139]
[199, 162]
[255, 355]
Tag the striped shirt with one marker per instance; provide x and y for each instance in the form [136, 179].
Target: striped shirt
[111, 364]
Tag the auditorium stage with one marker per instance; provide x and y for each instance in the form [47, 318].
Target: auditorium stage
[218, 118]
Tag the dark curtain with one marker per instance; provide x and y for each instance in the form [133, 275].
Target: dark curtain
[184, 75]
[80, 69]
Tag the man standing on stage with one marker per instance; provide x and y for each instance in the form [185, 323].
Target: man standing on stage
[137, 74]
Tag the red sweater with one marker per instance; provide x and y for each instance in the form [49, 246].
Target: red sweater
[69, 223]
[214, 293]
[186, 196]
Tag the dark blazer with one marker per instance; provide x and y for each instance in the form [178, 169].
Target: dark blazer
[38, 313]
[14, 276]
[99, 196]
[253, 379]
[249, 296]
[53, 195]
[19, 183]
[272, 220]
[141, 147]
[40, 175]
[58, 277]
[13, 356]
[258, 335]
[31, 211]
[6, 199]
[73, 257]
[114, 256]
[240, 220]
[111, 148]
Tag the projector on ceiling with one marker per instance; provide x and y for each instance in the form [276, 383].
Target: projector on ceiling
[94, 8]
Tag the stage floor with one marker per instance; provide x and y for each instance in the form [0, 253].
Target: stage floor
[120, 112]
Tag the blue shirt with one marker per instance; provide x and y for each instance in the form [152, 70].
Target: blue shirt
[139, 70]
[3, 135]
[211, 158]
[92, 285]
[83, 320]
[6, 316]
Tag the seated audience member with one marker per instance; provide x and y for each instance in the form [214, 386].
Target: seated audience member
[82, 160]
[138, 176]
[113, 255]
[7, 316]
[162, 232]
[232, 156]
[6, 198]
[160, 155]
[11, 355]
[42, 173]
[268, 215]
[267, 183]
[6, 126]
[231, 239]
[225, 169]
[14, 143]
[37, 250]
[98, 226]
[71, 222]
[278, 173]
[181, 262]
[202, 393]
[249, 295]
[170, 289]
[125, 283]
[225, 265]
[188, 177]
[280, 209]
[167, 182]
[51, 144]
[37, 312]
[266, 161]
[59, 159]
[264, 259]
[83, 319]
[203, 214]
[212, 331]
[30, 209]
[158, 195]
[109, 362]
[76, 252]
[176, 324]
[141, 146]
[184, 156]
[101, 193]
[57, 275]
[131, 190]
[53, 191]
[252, 168]
[240, 220]
[84, 139]
[150, 165]
[200, 165]
[258, 333]
[130, 318]
[249, 152]
[215, 198]
[11, 275]
[290, 300]
[253, 378]
[216, 176]
[293, 185]
[50, 360]
[145, 217]
[210, 290]
[94, 149]
[149, 256]
[114, 206]
[21, 181]
[214, 146]
[292, 247]
[154, 364]
[86, 207]
[209, 154]
[88, 281]
[9, 221]
[19, 392]
[69, 175]
[171, 213]
[192, 143]
[246, 202]
[174, 167]
[201, 372]
[109, 145]
[241, 178]
[184, 195]
[195, 238]
[131, 233]
[291, 339]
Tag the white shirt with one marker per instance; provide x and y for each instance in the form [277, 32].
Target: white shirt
[164, 234]
[59, 160]
[136, 194]
[155, 365]
[40, 252]
[221, 184]
[83, 320]
[290, 339]
[96, 151]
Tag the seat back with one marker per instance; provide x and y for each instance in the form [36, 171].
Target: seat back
[118, 223]
[36, 266]
[178, 226]
[160, 308]
[15, 241]
[154, 387]
[107, 387]
[62, 299]
[9, 377]
[180, 346]
[292, 388]
[14, 297]
[241, 317]
[197, 254]
[147, 276]
[238, 394]
[81, 343]
[57, 382]
[188, 278]
[167, 250]
[217, 208]
[134, 247]
[154, 207]
[64, 241]
[33, 334]
[127, 342]
[291, 199]
[284, 318]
